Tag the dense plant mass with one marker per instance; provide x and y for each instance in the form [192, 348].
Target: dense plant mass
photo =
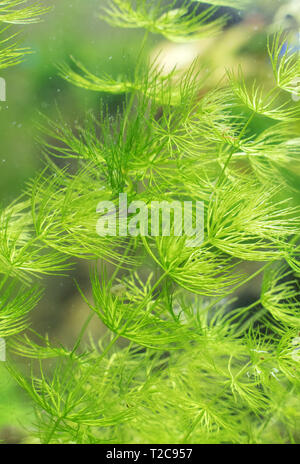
[196, 365]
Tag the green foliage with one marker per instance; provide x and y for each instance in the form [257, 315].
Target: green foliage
[286, 68]
[190, 368]
[16, 12]
[176, 24]
[219, 389]
[19, 12]
[10, 53]
[15, 305]
[23, 253]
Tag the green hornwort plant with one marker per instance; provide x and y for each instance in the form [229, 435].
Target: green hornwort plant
[195, 368]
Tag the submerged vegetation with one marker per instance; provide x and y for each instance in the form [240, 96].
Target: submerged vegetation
[195, 364]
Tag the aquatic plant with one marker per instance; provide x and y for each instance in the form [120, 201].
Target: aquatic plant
[195, 365]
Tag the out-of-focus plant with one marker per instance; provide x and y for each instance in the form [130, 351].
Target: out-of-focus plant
[16, 12]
